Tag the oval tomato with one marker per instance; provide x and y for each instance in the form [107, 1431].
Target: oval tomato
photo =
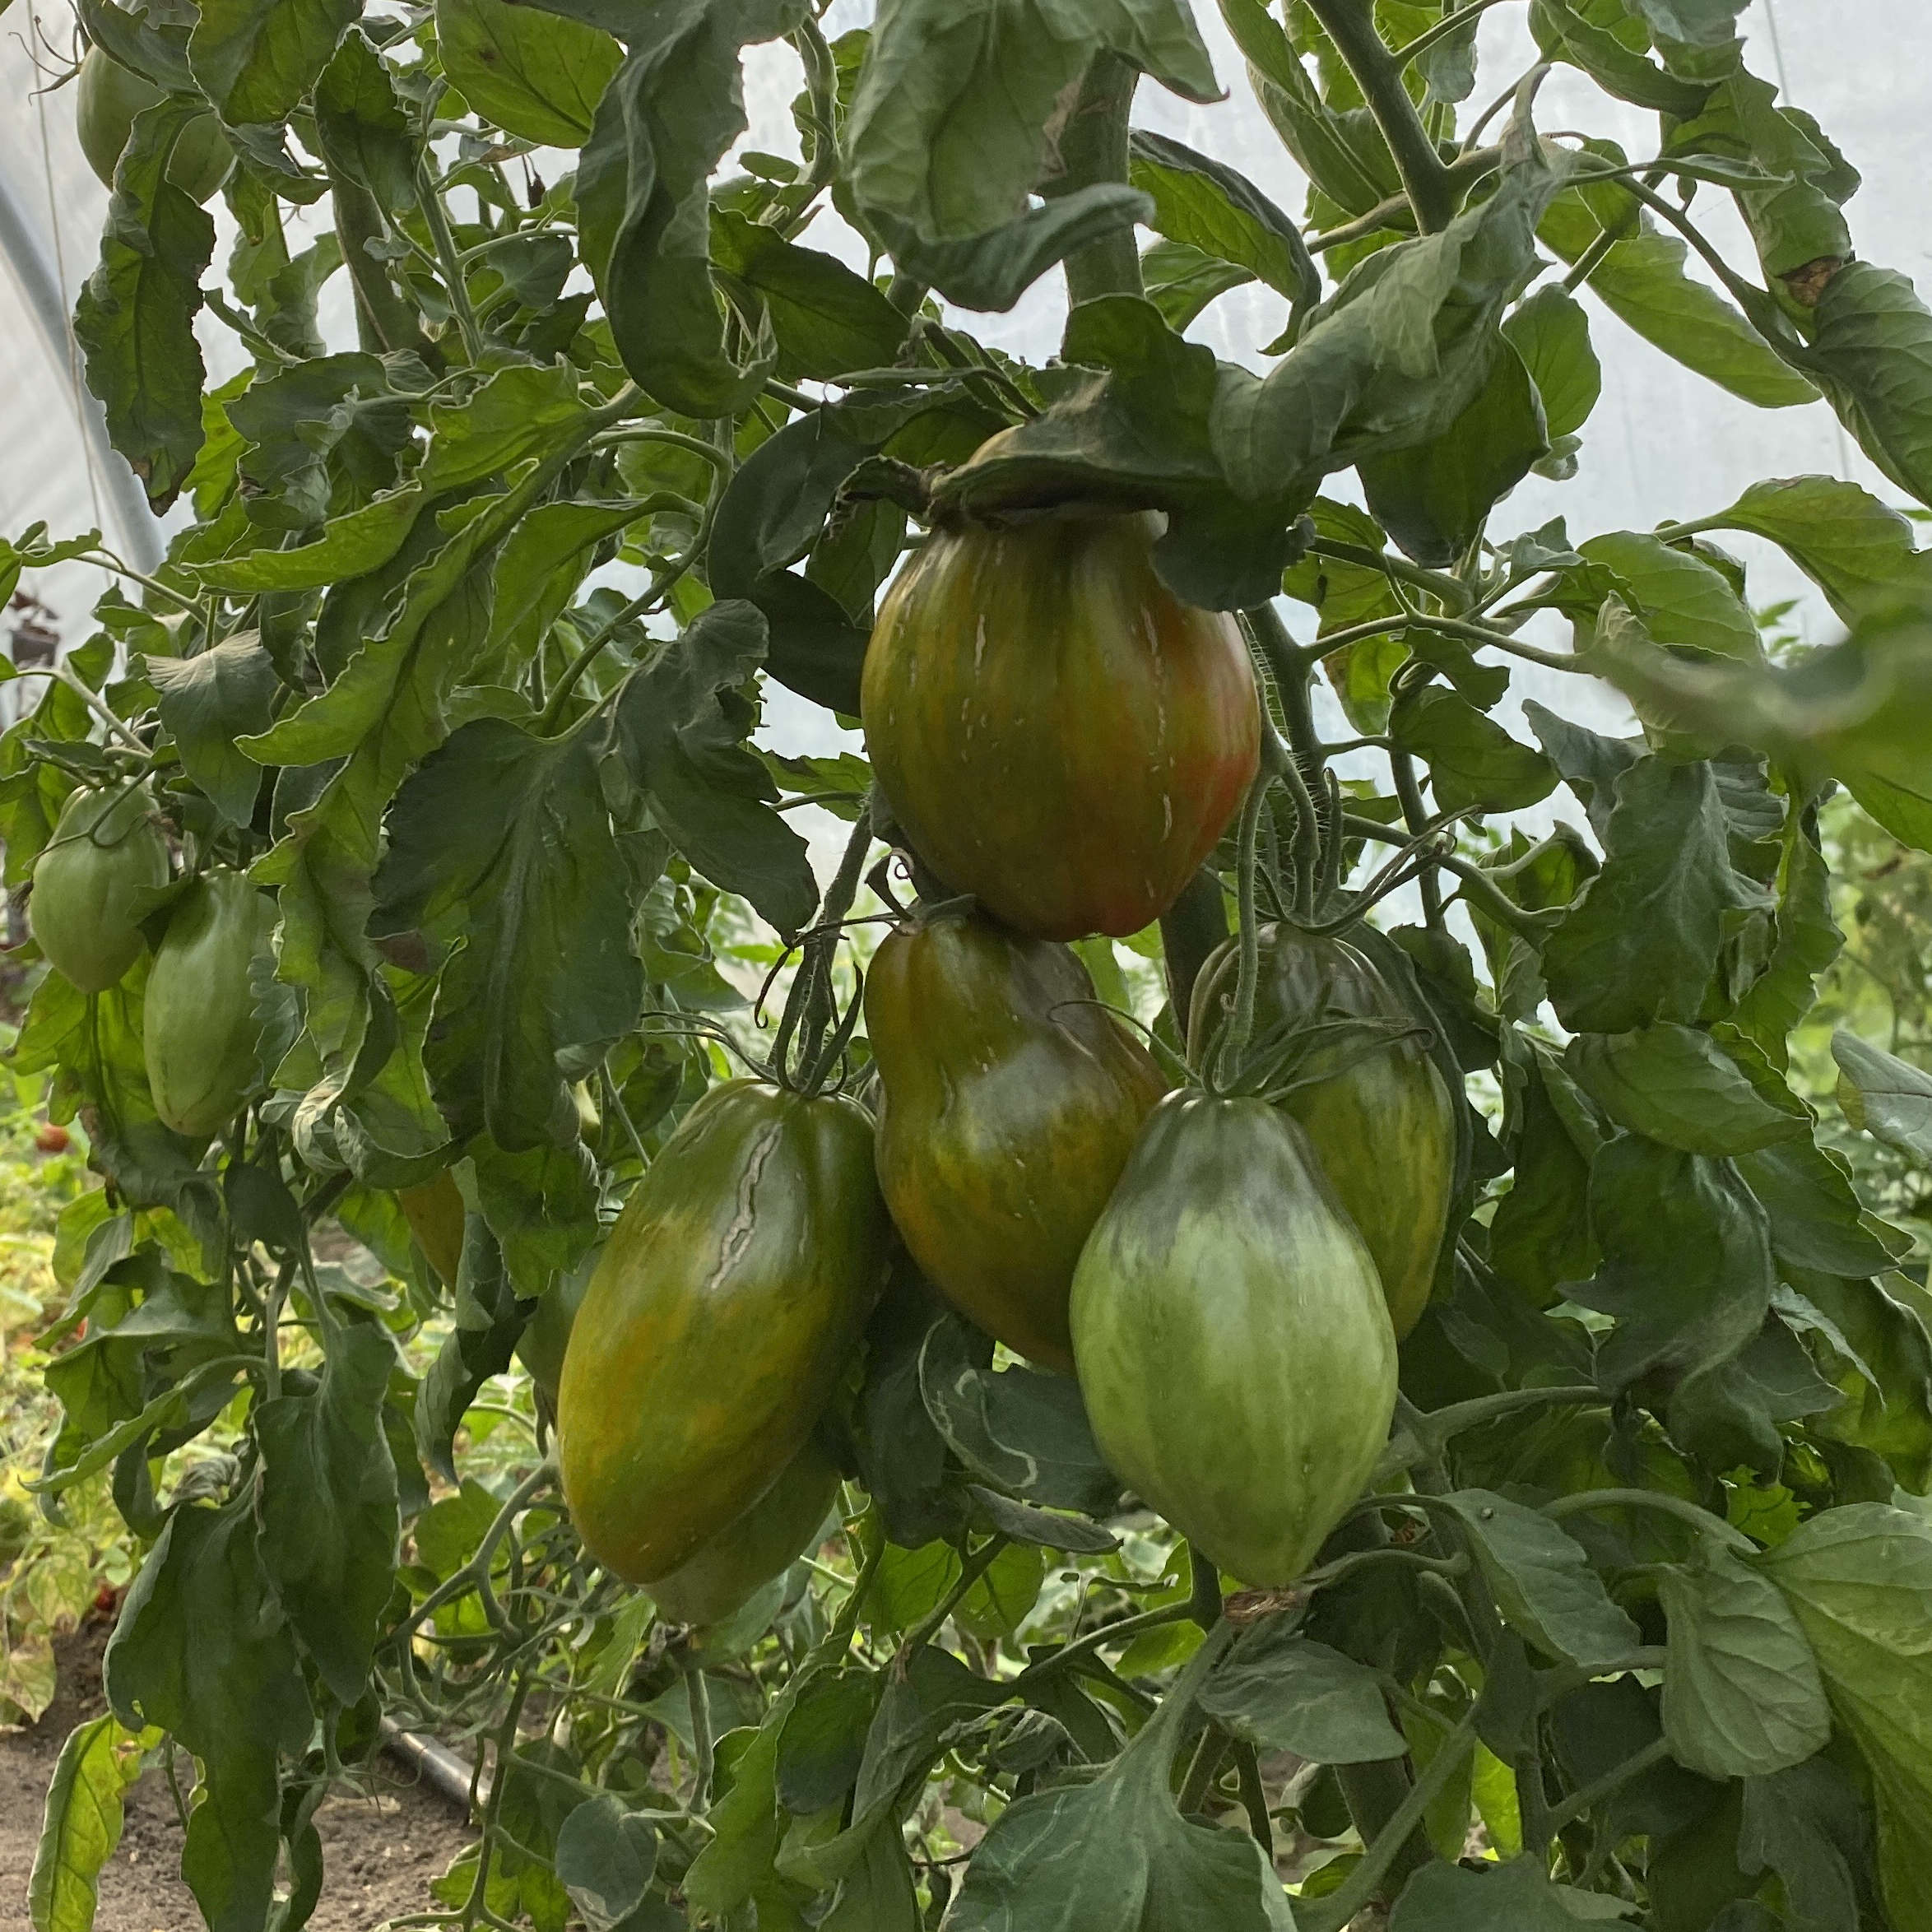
[198, 1028]
[435, 1213]
[108, 96]
[768, 1539]
[1235, 1354]
[1008, 1104]
[717, 1325]
[1381, 1124]
[1056, 731]
[85, 909]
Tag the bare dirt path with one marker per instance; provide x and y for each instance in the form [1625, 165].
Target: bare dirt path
[379, 1854]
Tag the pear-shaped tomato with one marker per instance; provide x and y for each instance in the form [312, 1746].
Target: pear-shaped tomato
[747, 1554]
[89, 883]
[110, 96]
[1380, 1121]
[1008, 1104]
[435, 1213]
[199, 1028]
[719, 1322]
[1057, 732]
[1234, 1351]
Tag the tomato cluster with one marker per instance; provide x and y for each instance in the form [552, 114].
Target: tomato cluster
[1060, 744]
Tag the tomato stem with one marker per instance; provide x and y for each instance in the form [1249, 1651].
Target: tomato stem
[1093, 148]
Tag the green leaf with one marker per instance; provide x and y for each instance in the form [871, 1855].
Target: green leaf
[1446, 1898]
[1687, 1267]
[1204, 203]
[501, 844]
[1472, 760]
[1742, 1694]
[1677, 1085]
[682, 721]
[1806, 941]
[1871, 353]
[1022, 1523]
[1542, 1580]
[1181, 281]
[328, 1504]
[1860, 1578]
[1816, 1221]
[538, 569]
[1641, 280]
[1566, 32]
[605, 1859]
[1856, 550]
[827, 318]
[1643, 942]
[1888, 1098]
[1020, 1429]
[202, 1651]
[1876, 1330]
[536, 75]
[1551, 333]
[1698, 23]
[135, 318]
[256, 59]
[666, 119]
[207, 703]
[490, 1317]
[1002, 1597]
[82, 1824]
[1117, 1852]
[1434, 498]
[947, 132]
[1282, 1692]
[363, 132]
[1683, 600]
[1400, 350]
[1810, 1827]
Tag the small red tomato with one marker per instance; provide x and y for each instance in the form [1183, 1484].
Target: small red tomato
[51, 1138]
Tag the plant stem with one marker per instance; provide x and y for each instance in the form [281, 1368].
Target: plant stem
[451, 264]
[700, 1697]
[1594, 1794]
[1451, 591]
[383, 319]
[1350, 24]
[1701, 1519]
[1443, 28]
[1254, 1800]
[1093, 148]
[1190, 929]
[1209, 1754]
[1415, 815]
[971, 1570]
[1241, 1025]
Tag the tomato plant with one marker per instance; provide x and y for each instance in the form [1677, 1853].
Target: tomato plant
[1489, 1487]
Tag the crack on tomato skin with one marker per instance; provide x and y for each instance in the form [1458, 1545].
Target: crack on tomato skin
[738, 1233]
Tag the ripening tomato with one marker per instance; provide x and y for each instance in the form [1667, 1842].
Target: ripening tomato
[90, 882]
[1056, 733]
[1381, 1122]
[435, 1213]
[1008, 1103]
[199, 1033]
[715, 1330]
[51, 1137]
[746, 1555]
[1234, 1351]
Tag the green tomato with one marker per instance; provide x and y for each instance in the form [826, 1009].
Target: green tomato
[110, 95]
[768, 1539]
[1381, 1123]
[199, 1032]
[719, 1321]
[1233, 1348]
[107, 851]
[1008, 1103]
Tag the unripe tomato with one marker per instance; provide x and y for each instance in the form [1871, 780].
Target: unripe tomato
[199, 1033]
[435, 1213]
[718, 1324]
[110, 95]
[1008, 1103]
[85, 909]
[1235, 1354]
[1381, 1123]
[744, 1555]
[1057, 733]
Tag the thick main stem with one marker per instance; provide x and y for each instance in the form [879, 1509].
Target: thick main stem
[1426, 180]
[1093, 148]
[383, 320]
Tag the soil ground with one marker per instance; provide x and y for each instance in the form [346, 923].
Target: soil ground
[379, 1853]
